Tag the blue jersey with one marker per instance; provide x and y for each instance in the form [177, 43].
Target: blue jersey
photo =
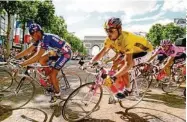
[53, 42]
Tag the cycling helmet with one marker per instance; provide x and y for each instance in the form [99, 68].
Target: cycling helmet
[165, 42]
[113, 23]
[34, 27]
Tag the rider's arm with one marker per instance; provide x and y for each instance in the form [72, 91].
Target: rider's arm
[100, 54]
[169, 61]
[34, 58]
[25, 52]
[126, 67]
[152, 57]
[113, 58]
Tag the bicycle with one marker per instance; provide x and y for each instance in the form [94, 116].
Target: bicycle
[6, 75]
[168, 84]
[77, 105]
[178, 77]
[21, 94]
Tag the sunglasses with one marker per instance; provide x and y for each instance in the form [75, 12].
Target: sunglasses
[110, 30]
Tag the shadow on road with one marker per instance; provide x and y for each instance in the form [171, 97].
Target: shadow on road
[56, 113]
[5, 113]
[145, 116]
[131, 117]
[96, 120]
[170, 100]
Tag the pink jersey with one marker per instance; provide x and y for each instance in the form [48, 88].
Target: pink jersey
[173, 51]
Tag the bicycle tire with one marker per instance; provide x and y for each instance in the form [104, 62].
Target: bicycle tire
[131, 100]
[169, 86]
[65, 109]
[19, 95]
[6, 80]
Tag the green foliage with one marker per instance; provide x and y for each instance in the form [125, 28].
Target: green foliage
[11, 7]
[159, 32]
[75, 42]
[45, 14]
[42, 12]
[155, 34]
[58, 27]
[173, 32]
[27, 10]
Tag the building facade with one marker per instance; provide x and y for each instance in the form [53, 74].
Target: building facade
[180, 22]
[93, 43]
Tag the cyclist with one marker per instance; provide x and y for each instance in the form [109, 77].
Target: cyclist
[174, 53]
[124, 43]
[60, 52]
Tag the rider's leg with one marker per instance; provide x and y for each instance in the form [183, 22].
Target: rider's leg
[54, 80]
[123, 82]
[113, 87]
[43, 61]
[61, 61]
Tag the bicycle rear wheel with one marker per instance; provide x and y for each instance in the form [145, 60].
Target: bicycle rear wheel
[68, 82]
[82, 102]
[136, 95]
[19, 95]
[6, 80]
[169, 84]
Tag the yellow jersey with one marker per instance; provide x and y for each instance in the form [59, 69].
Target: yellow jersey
[129, 43]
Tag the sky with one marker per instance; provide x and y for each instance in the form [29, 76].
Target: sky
[86, 17]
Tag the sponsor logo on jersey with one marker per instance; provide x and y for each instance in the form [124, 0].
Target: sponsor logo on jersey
[63, 61]
[141, 46]
[60, 42]
[56, 39]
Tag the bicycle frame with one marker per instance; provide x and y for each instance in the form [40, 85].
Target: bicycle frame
[99, 82]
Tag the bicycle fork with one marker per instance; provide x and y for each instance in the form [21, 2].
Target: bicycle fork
[91, 93]
[19, 85]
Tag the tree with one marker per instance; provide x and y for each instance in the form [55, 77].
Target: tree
[45, 14]
[170, 31]
[75, 43]
[173, 32]
[11, 8]
[155, 34]
[27, 11]
[58, 27]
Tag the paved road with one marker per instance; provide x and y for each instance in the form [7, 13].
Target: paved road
[157, 107]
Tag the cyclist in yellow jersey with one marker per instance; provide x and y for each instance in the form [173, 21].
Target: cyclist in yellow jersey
[124, 43]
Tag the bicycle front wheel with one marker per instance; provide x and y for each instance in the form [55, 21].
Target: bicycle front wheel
[19, 94]
[82, 102]
[6, 80]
